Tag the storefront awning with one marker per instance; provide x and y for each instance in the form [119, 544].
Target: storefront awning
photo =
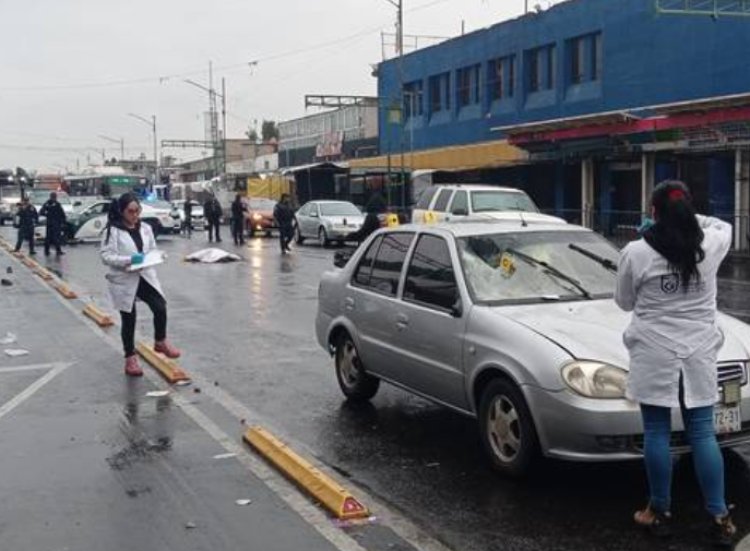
[313, 166]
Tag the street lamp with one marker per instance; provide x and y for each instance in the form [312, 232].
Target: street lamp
[152, 124]
[120, 141]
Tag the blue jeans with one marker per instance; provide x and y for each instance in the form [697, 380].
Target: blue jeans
[707, 458]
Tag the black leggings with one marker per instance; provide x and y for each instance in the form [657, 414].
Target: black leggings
[158, 306]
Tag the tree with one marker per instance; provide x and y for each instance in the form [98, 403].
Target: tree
[252, 135]
[269, 131]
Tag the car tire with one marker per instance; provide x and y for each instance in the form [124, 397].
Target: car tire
[298, 236]
[323, 237]
[155, 226]
[356, 384]
[507, 429]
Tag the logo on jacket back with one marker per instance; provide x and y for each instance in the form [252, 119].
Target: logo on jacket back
[670, 283]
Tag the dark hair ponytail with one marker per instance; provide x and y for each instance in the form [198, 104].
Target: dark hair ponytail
[116, 208]
[676, 234]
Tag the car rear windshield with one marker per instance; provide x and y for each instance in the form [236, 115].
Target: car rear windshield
[488, 201]
[507, 267]
[262, 204]
[339, 209]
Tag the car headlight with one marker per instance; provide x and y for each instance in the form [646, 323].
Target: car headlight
[257, 216]
[595, 379]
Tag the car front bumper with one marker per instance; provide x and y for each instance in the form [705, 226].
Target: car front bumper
[341, 232]
[575, 428]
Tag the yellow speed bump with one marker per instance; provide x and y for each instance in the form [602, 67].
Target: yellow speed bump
[326, 490]
[64, 290]
[101, 319]
[167, 368]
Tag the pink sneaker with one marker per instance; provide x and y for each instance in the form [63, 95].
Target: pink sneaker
[167, 349]
[131, 366]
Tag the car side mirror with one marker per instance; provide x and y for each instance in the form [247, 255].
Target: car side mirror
[340, 258]
[77, 204]
[457, 309]
[460, 211]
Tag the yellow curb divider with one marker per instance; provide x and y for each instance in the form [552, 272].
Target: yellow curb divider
[166, 367]
[101, 319]
[323, 488]
[43, 273]
[64, 290]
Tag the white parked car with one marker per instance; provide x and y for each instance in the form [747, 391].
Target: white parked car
[89, 223]
[445, 203]
[196, 214]
[38, 197]
[327, 221]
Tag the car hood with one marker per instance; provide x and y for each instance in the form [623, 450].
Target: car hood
[354, 219]
[520, 216]
[592, 330]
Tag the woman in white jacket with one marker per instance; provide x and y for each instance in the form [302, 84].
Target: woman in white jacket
[126, 242]
[668, 280]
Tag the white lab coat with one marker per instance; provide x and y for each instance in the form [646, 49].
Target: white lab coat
[672, 332]
[116, 253]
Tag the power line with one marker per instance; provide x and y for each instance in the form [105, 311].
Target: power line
[161, 79]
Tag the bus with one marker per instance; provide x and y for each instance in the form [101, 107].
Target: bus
[104, 185]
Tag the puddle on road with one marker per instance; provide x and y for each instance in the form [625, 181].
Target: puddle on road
[138, 452]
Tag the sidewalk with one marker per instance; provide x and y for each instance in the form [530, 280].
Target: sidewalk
[91, 462]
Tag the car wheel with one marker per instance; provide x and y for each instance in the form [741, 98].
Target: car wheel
[154, 226]
[298, 236]
[354, 382]
[507, 428]
[323, 237]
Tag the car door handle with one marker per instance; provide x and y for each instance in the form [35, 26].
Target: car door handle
[402, 322]
[349, 303]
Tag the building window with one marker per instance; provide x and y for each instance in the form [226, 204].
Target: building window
[585, 58]
[440, 99]
[413, 99]
[502, 77]
[596, 54]
[541, 68]
[468, 86]
[577, 61]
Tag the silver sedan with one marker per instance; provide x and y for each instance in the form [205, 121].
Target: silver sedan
[327, 221]
[513, 325]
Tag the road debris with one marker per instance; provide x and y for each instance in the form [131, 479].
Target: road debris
[16, 352]
[157, 393]
[225, 455]
[243, 502]
[9, 338]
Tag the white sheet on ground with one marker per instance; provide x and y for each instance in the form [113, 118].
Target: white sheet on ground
[210, 256]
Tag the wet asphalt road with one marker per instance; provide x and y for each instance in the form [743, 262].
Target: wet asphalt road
[249, 327]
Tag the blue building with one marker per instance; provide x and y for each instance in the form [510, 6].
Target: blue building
[601, 98]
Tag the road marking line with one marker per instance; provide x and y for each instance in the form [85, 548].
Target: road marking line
[32, 389]
[31, 367]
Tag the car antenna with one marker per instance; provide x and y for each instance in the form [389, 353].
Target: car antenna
[524, 223]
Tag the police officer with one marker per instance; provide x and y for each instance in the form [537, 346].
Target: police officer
[55, 215]
[212, 211]
[285, 219]
[27, 219]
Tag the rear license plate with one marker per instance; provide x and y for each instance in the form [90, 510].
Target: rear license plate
[727, 419]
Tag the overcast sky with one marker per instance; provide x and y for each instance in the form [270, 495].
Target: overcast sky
[71, 70]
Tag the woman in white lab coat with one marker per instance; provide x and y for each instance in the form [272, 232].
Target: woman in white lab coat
[668, 280]
[125, 244]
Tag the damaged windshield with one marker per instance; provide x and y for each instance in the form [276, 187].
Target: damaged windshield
[536, 266]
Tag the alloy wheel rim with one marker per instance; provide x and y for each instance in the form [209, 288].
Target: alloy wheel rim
[504, 429]
[349, 370]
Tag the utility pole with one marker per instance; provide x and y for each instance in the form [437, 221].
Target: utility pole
[399, 5]
[213, 116]
[224, 124]
[152, 124]
[120, 141]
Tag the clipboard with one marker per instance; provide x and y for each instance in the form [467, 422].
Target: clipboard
[153, 258]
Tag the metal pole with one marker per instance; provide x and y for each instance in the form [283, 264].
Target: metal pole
[401, 96]
[122, 149]
[156, 155]
[224, 122]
